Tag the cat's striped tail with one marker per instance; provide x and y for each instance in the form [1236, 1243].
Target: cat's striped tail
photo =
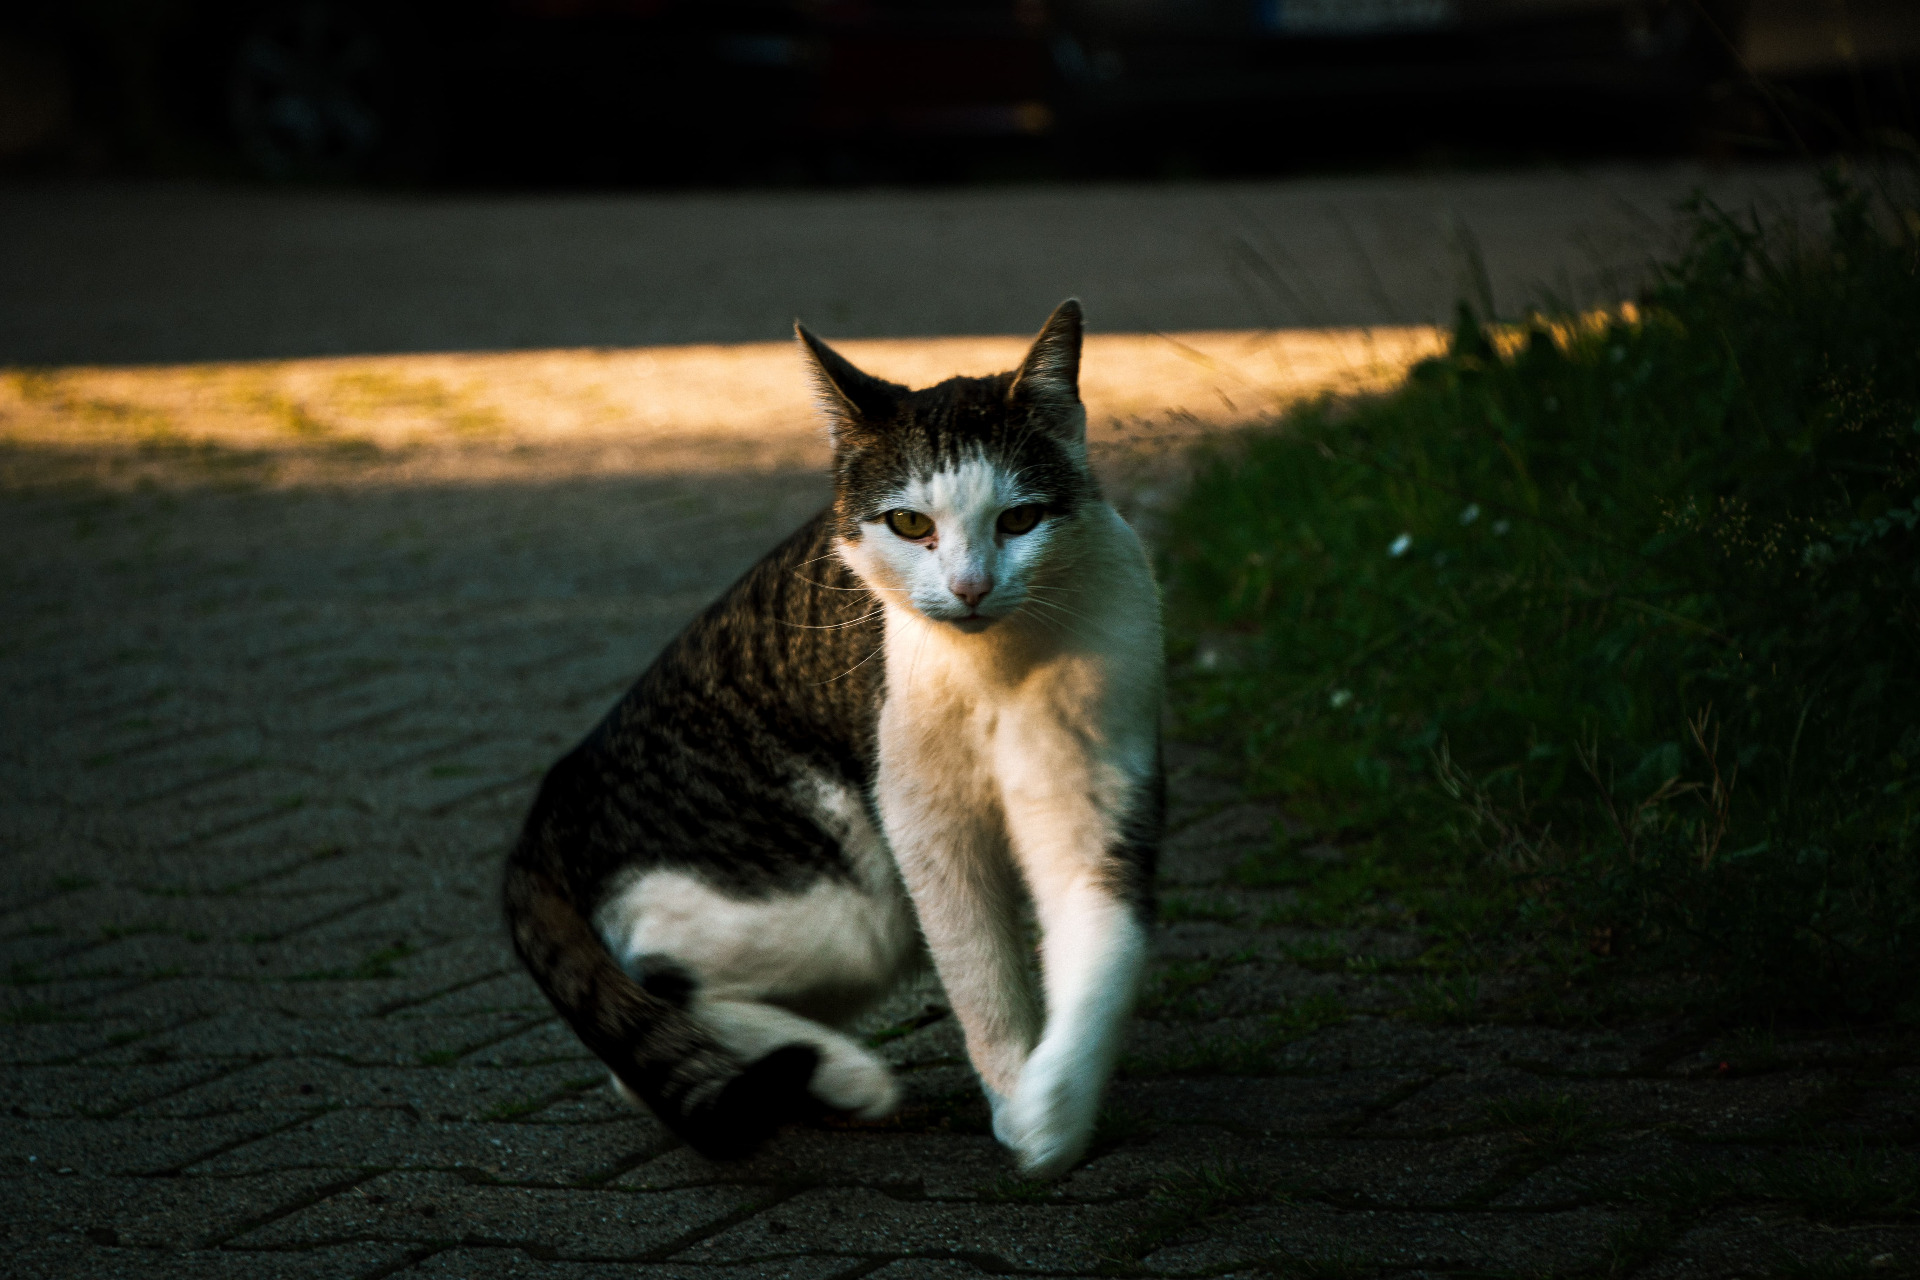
[721, 1106]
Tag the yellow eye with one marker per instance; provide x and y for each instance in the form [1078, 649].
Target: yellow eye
[1018, 520]
[909, 524]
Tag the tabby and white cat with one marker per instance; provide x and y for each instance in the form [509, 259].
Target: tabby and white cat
[935, 703]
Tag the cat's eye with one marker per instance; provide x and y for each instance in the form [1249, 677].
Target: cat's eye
[1018, 520]
[909, 524]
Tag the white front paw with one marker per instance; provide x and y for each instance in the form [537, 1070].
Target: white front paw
[1001, 1106]
[1049, 1120]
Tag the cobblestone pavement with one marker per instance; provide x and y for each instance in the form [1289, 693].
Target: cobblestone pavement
[262, 752]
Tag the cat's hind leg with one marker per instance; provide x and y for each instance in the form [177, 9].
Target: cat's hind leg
[850, 1078]
[750, 970]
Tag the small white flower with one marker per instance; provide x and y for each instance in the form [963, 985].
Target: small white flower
[1500, 528]
[1340, 698]
[1471, 514]
[1207, 659]
[1400, 545]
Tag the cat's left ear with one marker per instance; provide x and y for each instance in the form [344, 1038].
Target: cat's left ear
[1048, 380]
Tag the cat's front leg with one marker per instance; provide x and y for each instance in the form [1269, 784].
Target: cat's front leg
[968, 897]
[1086, 863]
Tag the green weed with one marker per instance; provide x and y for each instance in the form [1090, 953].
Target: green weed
[1179, 909]
[1859, 1183]
[1450, 1002]
[1559, 1125]
[1187, 1199]
[1310, 1014]
[1682, 1190]
[1600, 628]
[1010, 1188]
[1170, 993]
[1634, 1244]
[1335, 1264]
[1853, 1265]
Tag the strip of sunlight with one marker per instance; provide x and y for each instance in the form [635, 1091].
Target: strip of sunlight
[647, 410]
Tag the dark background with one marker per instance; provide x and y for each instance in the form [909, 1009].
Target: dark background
[653, 93]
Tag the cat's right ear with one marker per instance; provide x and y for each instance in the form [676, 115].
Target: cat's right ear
[854, 403]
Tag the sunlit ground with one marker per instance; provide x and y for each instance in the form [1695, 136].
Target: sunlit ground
[636, 411]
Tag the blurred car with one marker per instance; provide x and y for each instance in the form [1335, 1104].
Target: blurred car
[1385, 70]
[647, 91]
[620, 89]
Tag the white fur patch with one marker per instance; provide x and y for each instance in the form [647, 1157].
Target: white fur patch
[964, 503]
[784, 968]
[1010, 756]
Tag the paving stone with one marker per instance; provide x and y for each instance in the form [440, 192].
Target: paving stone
[318, 1005]
[1300, 1236]
[172, 1213]
[94, 1090]
[485, 1264]
[259, 1032]
[1744, 1243]
[455, 1092]
[1301, 1105]
[1721, 1108]
[939, 1166]
[97, 1147]
[1616, 1169]
[438, 1208]
[393, 1138]
[79, 1256]
[1017, 1236]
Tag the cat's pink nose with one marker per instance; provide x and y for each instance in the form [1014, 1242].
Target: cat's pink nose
[971, 589]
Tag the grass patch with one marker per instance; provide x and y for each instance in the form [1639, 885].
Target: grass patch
[516, 1108]
[1256, 1052]
[1860, 1183]
[1592, 645]
[1447, 1002]
[1011, 1188]
[1853, 1265]
[1310, 1014]
[1115, 1126]
[1213, 1055]
[1180, 909]
[1186, 1200]
[1171, 992]
[1683, 1190]
[1632, 1245]
[1558, 1125]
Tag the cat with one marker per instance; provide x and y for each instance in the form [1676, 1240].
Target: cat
[934, 706]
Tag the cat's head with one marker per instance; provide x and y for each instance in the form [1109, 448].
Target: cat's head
[958, 499]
